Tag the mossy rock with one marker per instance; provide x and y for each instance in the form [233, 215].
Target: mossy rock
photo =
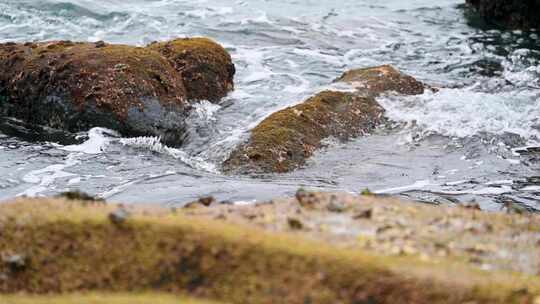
[205, 66]
[75, 248]
[137, 91]
[376, 80]
[286, 139]
[513, 14]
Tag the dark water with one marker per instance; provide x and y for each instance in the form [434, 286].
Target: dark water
[473, 140]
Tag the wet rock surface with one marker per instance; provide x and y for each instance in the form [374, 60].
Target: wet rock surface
[516, 14]
[286, 139]
[206, 67]
[74, 86]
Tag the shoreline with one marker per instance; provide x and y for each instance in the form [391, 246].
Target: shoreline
[283, 249]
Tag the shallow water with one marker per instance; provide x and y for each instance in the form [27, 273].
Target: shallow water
[461, 144]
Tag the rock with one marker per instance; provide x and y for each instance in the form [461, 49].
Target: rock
[119, 216]
[286, 139]
[336, 206]
[201, 202]
[80, 196]
[514, 14]
[376, 80]
[306, 199]
[206, 67]
[16, 262]
[137, 91]
[207, 201]
[364, 214]
[295, 224]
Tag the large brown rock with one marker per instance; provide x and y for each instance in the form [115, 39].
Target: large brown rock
[136, 91]
[286, 139]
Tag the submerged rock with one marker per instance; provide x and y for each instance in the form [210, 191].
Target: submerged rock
[137, 91]
[376, 80]
[286, 139]
[523, 14]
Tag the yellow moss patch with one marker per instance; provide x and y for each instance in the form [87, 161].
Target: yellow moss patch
[283, 141]
[68, 247]
[100, 299]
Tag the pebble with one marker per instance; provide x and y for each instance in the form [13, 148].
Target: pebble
[100, 44]
[295, 223]
[15, 263]
[119, 216]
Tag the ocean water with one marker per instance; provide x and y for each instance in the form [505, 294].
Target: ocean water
[477, 139]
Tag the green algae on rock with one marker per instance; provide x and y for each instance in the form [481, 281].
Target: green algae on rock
[75, 86]
[286, 139]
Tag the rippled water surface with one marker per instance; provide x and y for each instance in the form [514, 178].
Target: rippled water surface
[475, 139]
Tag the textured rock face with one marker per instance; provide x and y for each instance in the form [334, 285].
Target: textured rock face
[286, 139]
[136, 91]
[524, 14]
[206, 67]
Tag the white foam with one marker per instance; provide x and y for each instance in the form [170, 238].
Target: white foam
[98, 140]
[262, 18]
[521, 69]
[482, 191]
[154, 144]
[45, 178]
[531, 188]
[500, 182]
[206, 12]
[206, 110]
[416, 186]
[465, 112]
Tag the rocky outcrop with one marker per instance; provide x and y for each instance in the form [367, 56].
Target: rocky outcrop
[137, 91]
[516, 14]
[286, 139]
[319, 248]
